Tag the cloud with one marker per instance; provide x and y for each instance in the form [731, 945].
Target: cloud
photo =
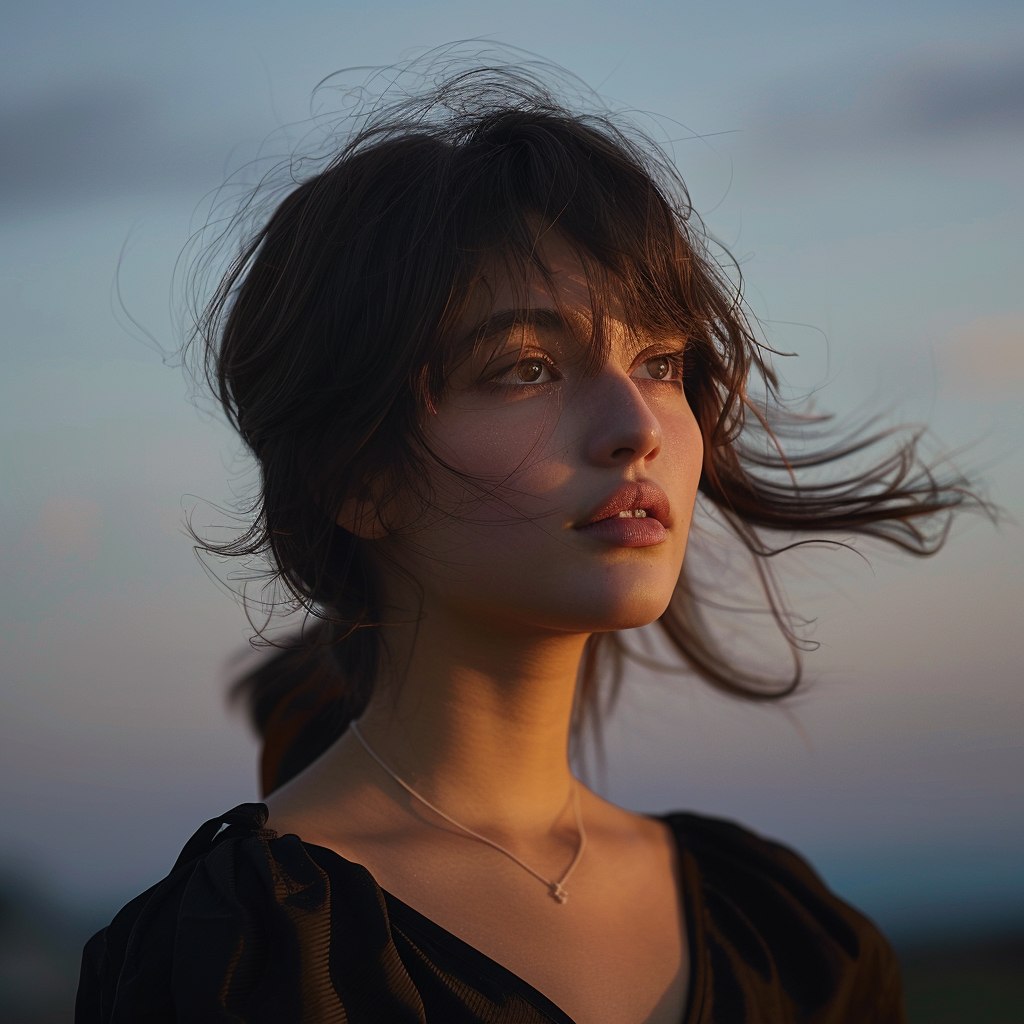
[104, 140]
[985, 356]
[67, 528]
[921, 97]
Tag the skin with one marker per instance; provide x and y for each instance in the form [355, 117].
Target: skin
[493, 598]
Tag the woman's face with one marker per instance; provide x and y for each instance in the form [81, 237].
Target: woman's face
[546, 449]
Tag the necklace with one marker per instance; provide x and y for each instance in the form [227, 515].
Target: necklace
[555, 888]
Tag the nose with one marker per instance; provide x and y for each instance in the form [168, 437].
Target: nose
[621, 428]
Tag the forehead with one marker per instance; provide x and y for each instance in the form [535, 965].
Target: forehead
[564, 285]
[557, 282]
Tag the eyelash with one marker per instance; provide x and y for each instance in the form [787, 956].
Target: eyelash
[497, 383]
[676, 361]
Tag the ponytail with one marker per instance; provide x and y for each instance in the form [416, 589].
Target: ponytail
[302, 698]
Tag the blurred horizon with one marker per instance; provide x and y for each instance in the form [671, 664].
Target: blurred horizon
[862, 162]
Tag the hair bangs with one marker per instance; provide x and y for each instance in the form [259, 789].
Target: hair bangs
[636, 263]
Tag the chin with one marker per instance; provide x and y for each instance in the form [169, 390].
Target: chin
[596, 612]
[631, 617]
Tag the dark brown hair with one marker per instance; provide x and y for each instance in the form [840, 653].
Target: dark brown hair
[331, 334]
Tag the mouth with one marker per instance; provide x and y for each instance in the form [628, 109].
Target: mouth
[636, 515]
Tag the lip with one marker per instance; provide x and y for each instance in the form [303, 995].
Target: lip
[605, 524]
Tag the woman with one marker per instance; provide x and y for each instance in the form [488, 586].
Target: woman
[486, 364]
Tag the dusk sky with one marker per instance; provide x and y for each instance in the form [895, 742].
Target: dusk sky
[864, 162]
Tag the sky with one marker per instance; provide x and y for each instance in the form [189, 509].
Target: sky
[865, 164]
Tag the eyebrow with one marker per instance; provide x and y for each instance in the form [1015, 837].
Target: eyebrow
[544, 318]
[571, 322]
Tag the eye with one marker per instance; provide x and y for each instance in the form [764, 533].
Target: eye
[658, 368]
[663, 367]
[529, 371]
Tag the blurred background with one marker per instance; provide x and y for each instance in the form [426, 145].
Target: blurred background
[865, 162]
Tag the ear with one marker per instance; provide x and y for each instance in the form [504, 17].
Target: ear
[361, 517]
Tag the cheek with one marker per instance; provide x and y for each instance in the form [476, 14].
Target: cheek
[692, 442]
[507, 449]
[682, 454]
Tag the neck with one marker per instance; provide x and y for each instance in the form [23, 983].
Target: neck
[476, 718]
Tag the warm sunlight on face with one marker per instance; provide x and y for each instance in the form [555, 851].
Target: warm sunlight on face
[572, 493]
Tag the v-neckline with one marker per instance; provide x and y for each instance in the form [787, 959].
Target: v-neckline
[410, 919]
[476, 958]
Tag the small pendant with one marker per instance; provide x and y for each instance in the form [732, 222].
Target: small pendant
[558, 894]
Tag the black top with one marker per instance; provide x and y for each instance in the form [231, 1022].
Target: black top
[255, 928]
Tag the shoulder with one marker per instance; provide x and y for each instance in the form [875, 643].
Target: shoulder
[225, 930]
[770, 930]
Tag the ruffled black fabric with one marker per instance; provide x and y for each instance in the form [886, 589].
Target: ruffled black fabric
[253, 928]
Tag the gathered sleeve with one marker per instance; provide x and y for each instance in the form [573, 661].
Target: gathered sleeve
[248, 928]
[772, 943]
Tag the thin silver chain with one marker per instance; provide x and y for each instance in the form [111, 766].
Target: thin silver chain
[555, 889]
